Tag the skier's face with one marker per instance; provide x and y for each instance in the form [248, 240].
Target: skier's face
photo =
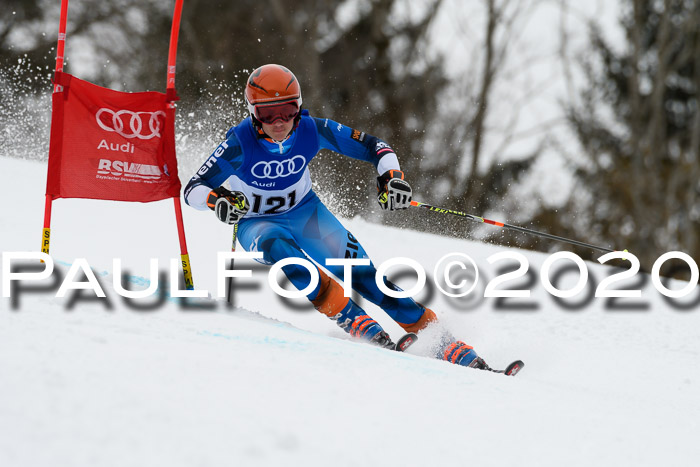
[278, 130]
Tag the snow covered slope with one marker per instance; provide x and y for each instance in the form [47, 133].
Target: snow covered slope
[100, 383]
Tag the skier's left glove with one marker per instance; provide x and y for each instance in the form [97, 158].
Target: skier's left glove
[229, 206]
[393, 192]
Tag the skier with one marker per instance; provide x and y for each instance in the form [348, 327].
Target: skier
[265, 160]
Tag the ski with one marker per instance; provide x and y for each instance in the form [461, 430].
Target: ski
[410, 338]
[405, 342]
[511, 370]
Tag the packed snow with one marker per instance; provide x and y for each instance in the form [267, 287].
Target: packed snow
[99, 382]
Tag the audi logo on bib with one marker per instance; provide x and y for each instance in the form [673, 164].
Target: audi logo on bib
[142, 125]
[279, 169]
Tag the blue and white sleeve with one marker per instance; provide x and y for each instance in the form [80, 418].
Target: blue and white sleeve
[356, 144]
[223, 162]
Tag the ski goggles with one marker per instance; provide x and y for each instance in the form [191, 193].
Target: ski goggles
[270, 113]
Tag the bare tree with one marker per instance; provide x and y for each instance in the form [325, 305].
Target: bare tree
[642, 167]
[465, 167]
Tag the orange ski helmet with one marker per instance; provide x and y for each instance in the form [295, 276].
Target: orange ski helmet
[273, 93]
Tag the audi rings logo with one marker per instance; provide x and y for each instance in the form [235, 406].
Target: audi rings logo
[142, 125]
[277, 169]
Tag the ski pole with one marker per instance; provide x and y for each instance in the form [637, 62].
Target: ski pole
[229, 285]
[508, 226]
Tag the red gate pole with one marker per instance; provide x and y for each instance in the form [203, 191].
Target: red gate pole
[172, 96]
[60, 51]
[172, 52]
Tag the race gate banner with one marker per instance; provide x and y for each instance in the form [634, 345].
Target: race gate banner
[111, 145]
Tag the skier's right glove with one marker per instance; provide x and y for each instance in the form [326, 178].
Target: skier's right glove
[229, 206]
[393, 192]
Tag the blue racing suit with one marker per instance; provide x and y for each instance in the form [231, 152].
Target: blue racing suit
[286, 218]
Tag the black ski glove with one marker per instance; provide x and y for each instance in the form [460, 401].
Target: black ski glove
[393, 192]
[229, 206]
